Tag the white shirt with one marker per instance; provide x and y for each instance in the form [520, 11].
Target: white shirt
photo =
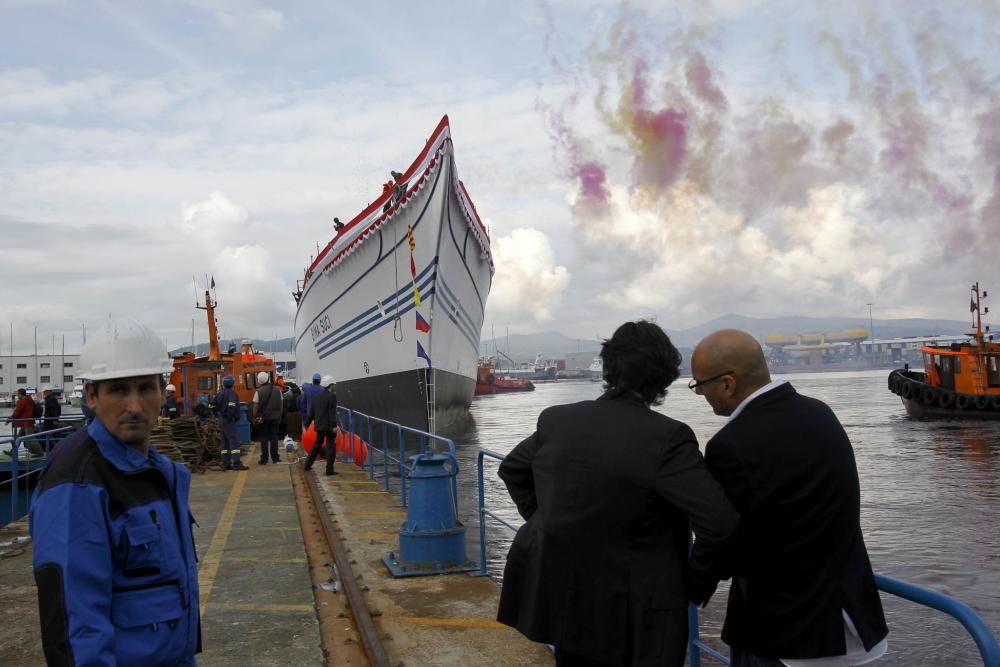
[856, 653]
[773, 384]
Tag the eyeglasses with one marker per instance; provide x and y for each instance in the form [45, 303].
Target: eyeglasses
[694, 384]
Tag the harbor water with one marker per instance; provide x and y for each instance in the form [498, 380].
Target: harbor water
[930, 498]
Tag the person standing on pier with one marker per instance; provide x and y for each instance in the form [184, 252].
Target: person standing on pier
[114, 557]
[227, 406]
[22, 415]
[309, 391]
[803, 593]
[608, 489]
[53, 409]
[267, 415]
[324, 415]
[171, 410]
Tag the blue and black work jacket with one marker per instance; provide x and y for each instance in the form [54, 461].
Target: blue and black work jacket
[114, 555]
[170, 408]
[227, 405]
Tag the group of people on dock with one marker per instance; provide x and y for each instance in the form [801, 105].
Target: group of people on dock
[609, 490]
[30, 416]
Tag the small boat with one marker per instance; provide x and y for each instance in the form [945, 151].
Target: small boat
[489, 380]
[76, 396]
[596, 370]
[960, 380]
[199, 379]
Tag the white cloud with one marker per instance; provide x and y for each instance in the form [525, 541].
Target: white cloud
[529, 283]
[213, 221]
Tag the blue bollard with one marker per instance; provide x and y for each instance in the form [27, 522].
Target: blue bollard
[243, 425]
[431, 540]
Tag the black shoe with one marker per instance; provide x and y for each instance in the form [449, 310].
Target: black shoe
[240, 466]
[262, 462]
[307, 468]
[226, 469]
[277, 460]
[332, 472]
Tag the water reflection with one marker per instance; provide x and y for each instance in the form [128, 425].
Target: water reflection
[930, 496]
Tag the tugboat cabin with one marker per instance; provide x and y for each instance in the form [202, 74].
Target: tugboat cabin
[199, 379]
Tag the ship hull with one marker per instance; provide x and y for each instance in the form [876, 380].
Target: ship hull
[357, 318]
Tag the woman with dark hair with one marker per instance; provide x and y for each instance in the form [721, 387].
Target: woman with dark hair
[608, 489]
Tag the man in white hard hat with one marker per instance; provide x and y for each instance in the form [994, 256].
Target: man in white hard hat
[171, 410]
[114, 557]
[226, 405]
[324, 414]
[267, 411]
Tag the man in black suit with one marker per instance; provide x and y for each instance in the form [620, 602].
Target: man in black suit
[608, 489]
[803, 593]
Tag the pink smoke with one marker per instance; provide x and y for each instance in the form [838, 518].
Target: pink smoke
[701, 82]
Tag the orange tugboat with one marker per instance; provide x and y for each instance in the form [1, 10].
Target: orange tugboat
[962, 380]
[198, 379]
[488, 381]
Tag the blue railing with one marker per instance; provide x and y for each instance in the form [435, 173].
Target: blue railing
[381, 436]
[32, 464]
[989, 649]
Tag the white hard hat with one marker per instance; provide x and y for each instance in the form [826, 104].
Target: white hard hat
[171, 387]
[263, 378]
[328, 380]
[125, 349]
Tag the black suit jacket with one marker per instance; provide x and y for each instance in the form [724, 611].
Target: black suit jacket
[798, 558]
[608, 488]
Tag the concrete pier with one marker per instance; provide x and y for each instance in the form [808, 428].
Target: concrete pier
[261, 596]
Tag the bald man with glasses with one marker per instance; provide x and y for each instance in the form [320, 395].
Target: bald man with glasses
[803, 593]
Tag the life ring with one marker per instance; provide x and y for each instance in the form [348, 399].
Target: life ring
[963, 401]
[995, 402]
[981, 402]
[906, 390]
[946, 398]
[929, 396]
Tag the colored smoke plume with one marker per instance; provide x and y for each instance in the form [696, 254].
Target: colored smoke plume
[703, 174]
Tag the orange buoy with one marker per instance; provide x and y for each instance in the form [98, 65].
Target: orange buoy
[354, 447]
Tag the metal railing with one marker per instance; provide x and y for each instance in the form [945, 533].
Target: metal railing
[32, 464]
[382, 436]
[986, 642]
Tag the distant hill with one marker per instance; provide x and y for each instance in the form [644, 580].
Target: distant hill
[555, 345]
[760, 327]
[266, 346]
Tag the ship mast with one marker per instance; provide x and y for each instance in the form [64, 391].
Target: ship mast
[979, 368]
[213, 333]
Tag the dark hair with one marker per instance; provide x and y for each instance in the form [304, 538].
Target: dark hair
[639, 359]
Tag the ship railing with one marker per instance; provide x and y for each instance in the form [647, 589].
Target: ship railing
[33, 464]
[986, 641]
[391, 441]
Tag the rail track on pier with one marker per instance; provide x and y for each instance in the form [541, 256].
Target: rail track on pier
[348, 628]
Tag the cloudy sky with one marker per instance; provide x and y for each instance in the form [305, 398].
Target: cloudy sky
[677, 160]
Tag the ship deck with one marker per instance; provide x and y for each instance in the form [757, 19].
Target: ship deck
[261, 594]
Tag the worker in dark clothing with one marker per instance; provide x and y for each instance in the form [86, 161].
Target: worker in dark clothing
[227, 406]
[52, 409]
[324, 415]
[293, 417]
[308, 392]
[267, 411]
[171, 410]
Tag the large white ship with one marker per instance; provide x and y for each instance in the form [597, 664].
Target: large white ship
[393, 306]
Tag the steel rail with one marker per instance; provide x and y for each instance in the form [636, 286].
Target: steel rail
[368, 633]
